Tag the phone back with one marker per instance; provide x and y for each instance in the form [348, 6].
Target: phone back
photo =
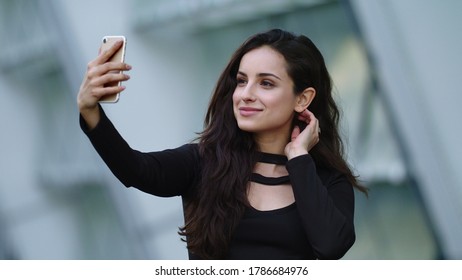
[119, 56]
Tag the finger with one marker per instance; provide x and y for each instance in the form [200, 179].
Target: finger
[99, 70]
[103, 91]
[306, 116]
[108, 78]
[306, 113]
[295, 133]
[303, 119]
[312, 127]
[105, 55]
[312, 119]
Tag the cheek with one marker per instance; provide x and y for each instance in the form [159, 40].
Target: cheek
[236, 101]
[283, 103]
[235, 97]
[281, 109]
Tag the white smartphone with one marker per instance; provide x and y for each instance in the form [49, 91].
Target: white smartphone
[119, 56]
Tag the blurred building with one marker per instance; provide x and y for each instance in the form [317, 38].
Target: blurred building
[395, 66]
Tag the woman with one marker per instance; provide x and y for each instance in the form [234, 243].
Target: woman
[262, 181]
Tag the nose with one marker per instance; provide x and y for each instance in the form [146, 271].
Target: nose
[248, 93]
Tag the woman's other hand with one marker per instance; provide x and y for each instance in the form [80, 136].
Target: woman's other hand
[302, 141]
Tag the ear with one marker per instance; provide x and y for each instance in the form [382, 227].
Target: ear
[304, 99]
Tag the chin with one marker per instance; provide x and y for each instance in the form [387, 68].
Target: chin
[247, 127]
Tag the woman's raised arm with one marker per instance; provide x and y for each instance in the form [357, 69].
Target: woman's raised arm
[99, 72]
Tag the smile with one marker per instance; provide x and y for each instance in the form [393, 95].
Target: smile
[248, 111]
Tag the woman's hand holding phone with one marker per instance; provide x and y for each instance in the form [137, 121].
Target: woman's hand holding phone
[101, 72]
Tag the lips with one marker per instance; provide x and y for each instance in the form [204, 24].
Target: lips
[249, 111]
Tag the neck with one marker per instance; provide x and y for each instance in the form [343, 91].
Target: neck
[272, 144]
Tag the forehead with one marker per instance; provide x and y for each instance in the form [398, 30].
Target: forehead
[263, 60]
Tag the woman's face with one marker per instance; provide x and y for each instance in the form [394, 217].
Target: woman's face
[264, 101]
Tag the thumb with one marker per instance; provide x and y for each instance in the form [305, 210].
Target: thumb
[295, 133]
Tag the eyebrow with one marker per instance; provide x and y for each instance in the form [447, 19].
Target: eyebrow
[261, 75]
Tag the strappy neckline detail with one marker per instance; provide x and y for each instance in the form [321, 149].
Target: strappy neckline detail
[276, 159]
[271, 159]
[270, 181]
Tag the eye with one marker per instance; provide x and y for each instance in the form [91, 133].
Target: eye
[241, 81]
[267, 84]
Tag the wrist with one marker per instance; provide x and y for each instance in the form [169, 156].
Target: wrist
[91, 116]
[295, 153]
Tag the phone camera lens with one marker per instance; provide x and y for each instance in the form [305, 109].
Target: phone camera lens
[104, 40]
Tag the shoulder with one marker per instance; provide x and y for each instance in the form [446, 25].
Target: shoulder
[329, 176]
[191, 149]
[335, 181]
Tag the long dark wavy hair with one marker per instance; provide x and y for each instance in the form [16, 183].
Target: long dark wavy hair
[229, 154]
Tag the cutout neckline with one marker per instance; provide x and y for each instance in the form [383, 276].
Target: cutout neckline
[271, 159]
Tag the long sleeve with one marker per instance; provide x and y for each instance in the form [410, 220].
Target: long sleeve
[326, 207]
[167, 173]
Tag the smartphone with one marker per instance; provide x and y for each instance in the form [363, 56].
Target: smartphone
[119, 56]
